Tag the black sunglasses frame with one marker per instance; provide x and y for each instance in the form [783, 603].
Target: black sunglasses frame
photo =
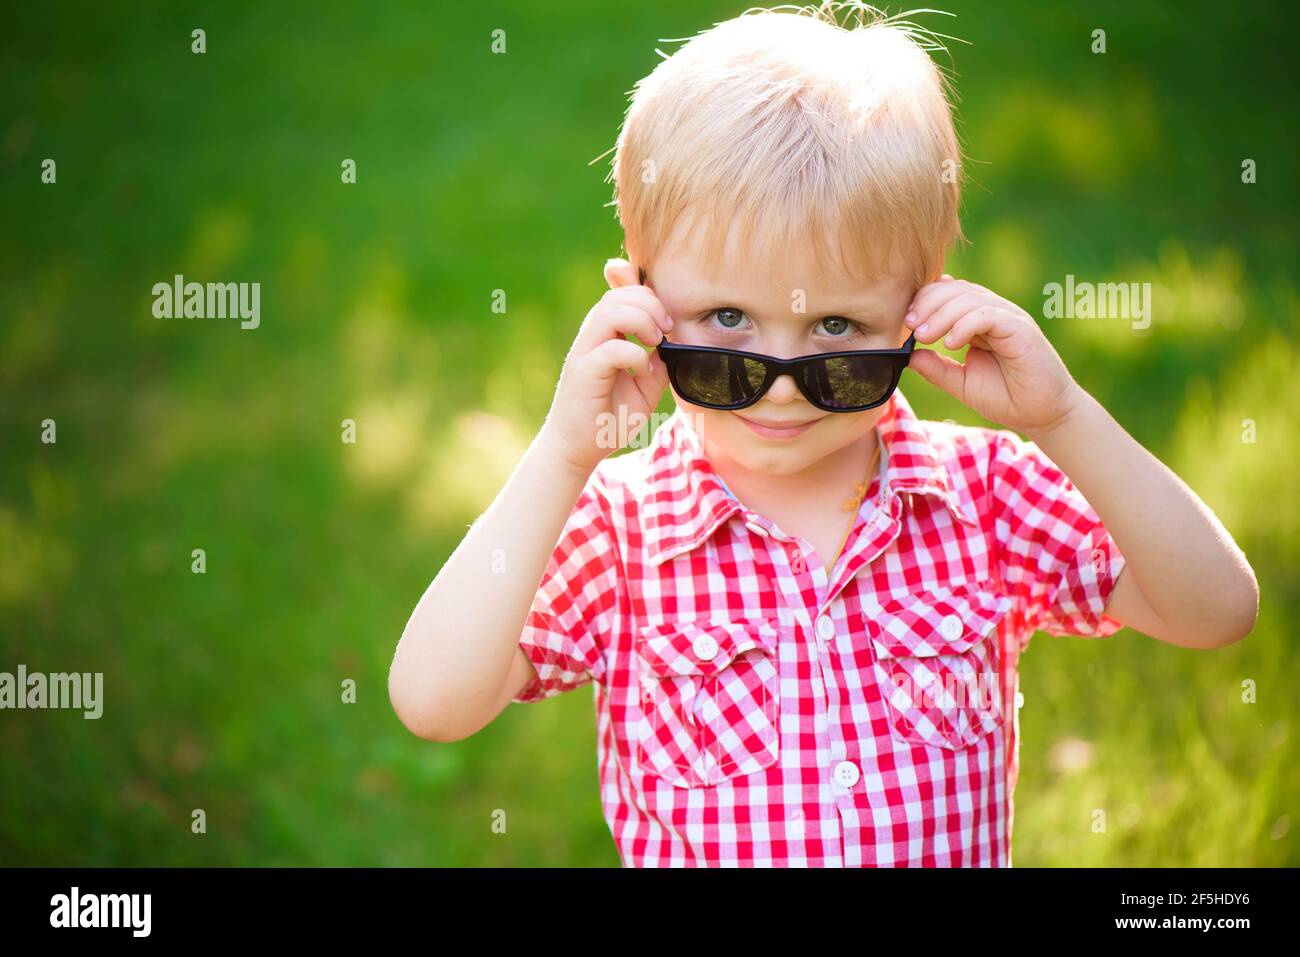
[774, 368]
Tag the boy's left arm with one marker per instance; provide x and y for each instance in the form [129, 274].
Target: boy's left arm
[1188, 583]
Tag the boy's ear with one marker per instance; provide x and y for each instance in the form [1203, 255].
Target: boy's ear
[619, 272]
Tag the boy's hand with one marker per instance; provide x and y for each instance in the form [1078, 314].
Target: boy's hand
[1012, 375]
[595, 382]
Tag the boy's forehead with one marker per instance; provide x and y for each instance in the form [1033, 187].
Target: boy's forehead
[779, 270]
[681, 272]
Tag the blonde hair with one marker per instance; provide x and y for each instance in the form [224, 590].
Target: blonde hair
[797, 129]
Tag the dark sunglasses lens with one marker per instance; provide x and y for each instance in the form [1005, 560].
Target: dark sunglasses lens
[711, 378]
[849, 382]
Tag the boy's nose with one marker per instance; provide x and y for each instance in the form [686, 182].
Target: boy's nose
[784, 390]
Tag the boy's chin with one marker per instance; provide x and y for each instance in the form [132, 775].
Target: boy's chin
[776, 462]
[765, 458]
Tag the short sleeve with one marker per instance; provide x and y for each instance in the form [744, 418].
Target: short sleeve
[567, 629]
[1055, 557]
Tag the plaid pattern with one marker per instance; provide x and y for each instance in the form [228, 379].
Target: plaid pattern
[756, 708]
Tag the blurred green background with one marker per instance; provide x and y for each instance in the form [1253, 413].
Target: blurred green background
[474, 173]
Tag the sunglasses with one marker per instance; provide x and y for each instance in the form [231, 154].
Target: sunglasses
[729, 379]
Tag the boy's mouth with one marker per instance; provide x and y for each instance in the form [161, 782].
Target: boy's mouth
[773, 429]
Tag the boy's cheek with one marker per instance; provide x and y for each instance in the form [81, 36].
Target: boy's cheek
[722, 432]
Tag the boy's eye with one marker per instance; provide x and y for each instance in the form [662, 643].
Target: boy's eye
[729, 318]
[836, 325]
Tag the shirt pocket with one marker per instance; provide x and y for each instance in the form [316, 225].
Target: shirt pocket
[710, 697]
[937, 663]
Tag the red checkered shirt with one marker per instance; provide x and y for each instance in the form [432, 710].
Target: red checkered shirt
[755, 708]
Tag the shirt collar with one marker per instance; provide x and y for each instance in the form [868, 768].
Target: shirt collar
[913, 464]
[684, 500]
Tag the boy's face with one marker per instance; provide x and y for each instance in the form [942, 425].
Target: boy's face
[745, 307]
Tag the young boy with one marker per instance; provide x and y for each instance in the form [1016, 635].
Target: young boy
[801, 608]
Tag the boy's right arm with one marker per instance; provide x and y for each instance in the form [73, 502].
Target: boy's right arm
[460, 642]
[458, 663]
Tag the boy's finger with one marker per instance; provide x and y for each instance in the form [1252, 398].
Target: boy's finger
[934, 326]
[619, 272]
[618, 319]
[645, 298]
[617, 355]
[987, 321]
[652, 385]
[939, 370]
[932, 297]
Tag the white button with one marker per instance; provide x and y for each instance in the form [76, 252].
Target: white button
[706, 648]
[1020, 700]
[756, 529]
[950, 627]
[825, 628]
[846, 773]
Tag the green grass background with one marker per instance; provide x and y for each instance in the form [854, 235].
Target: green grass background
[223, 689]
